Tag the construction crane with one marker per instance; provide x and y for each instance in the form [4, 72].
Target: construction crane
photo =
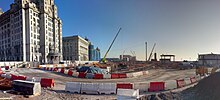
[151, 52]
[103, 60]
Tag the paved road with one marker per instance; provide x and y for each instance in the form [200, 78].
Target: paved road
[61, 79]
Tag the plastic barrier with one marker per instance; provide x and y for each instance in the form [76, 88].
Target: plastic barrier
[143, 87]
[125, 85]
[13, 77]
[90, 88]
[192, 79]
[136, 74]
[107, 88]
[44, 68]
[107, 76]
[73, 87]
[3, 75]
[29, 79]
[62, 70]
[21, 78]
[1, 72]
[145, 72]
[98, 76]
[127, 93]
[187, 81]
[170, 85]
[114, 76]
[66, 71]
[129, 75]
[75, 74]
[70, 72]
[156, 86]
[180, 83]
[47, 68]
[82, 75]
[122, 75]
[59, 70]
[37, 79]
[90, 75]
[45, 82]
[55, 69]
[51, 69]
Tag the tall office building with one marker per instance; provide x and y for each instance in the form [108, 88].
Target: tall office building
[31, 31]
[94, 53]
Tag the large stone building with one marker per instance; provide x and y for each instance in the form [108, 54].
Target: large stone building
[31, 31]
[75, 48]
[209, 60]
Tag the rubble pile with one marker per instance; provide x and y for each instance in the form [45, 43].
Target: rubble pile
[206, 89]
[5, 84]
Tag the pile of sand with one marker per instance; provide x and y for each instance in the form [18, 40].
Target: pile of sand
[207, 89]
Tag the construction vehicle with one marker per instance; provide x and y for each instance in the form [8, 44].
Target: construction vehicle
[103, 60]
[202, 71]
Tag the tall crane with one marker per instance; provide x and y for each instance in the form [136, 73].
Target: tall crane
[104, 58]
[151, 52]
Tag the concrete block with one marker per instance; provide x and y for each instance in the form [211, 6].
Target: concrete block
[27, 87]
[74, 87]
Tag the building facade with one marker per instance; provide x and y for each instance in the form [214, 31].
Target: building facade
[127, 58]
[31, 31]
[94, 53]
[209, 60]
[75, 48]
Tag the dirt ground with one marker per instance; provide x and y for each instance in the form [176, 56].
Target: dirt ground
[206, 89]
[57, 93]
[48, 94]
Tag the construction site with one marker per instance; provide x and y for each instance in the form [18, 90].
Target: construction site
[125, 79]
[38, 63]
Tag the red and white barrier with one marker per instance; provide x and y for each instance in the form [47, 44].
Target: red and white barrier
[187, 81]
[125, 85]
[156, 86]
[75, 74]
[193, 79]
[170, 85]
[107, 76]
[180, 83]
[98, 76]
[66, 71]
[46, 82]
[129, 75]
[136, 74]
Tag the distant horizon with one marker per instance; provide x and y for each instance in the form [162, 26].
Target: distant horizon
[183, 28]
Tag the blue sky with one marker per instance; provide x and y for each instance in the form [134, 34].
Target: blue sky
[181, 27]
